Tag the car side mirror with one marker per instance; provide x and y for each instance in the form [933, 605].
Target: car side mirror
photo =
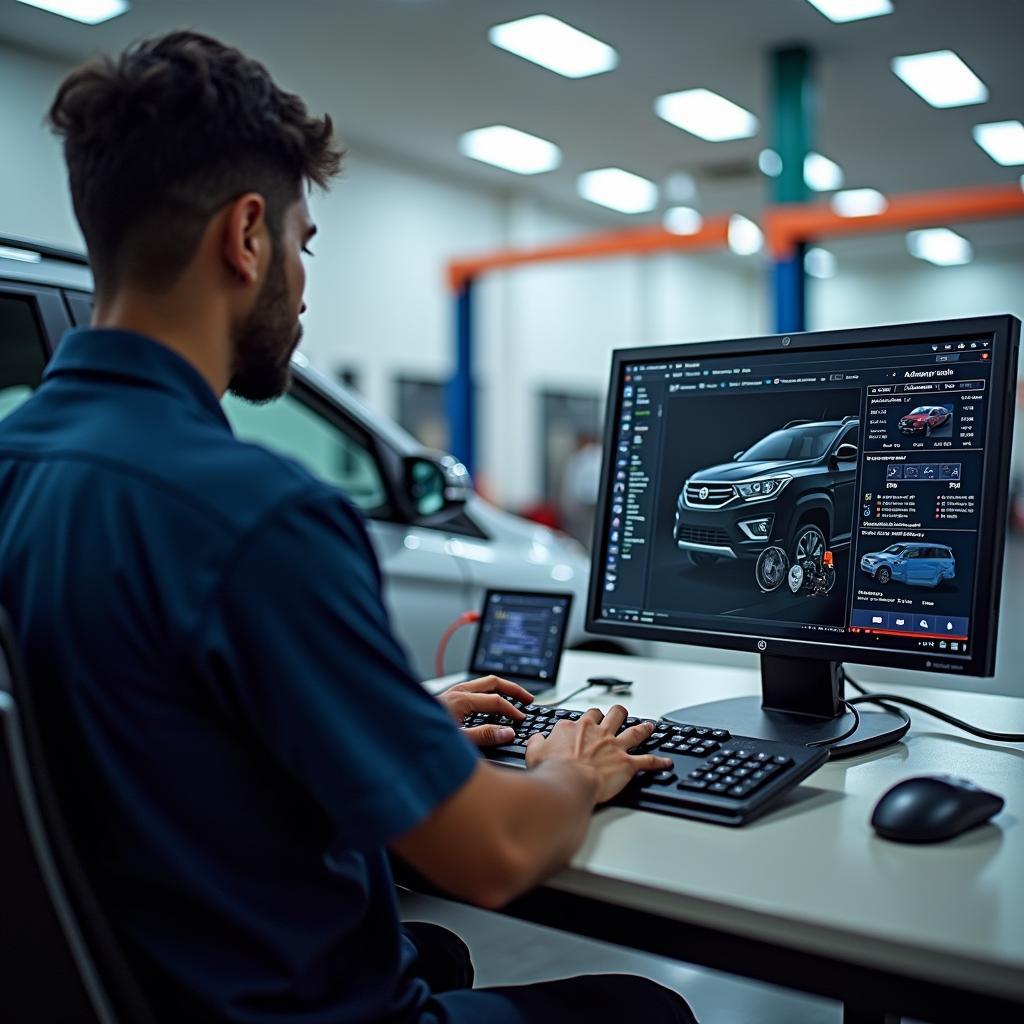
[435, 487]
[847, 453]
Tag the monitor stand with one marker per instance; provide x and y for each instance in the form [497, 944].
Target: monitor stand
[800, 702]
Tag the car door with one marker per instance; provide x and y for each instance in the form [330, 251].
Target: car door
[425, 587]
[843, 481]
[32, 320]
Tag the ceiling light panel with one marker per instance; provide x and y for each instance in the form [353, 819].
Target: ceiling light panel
[682, 220]
[707, 115]
[859, 202]
[940, 78]
[852, 10]
[822, 174]
[510, 149]
[555, 45]
[820, 263]
[745, 237]
[618, 190]
[769, 162]
[940, 246]
[88, 12]
[1002, 140]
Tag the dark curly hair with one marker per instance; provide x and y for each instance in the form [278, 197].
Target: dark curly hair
[161, 138]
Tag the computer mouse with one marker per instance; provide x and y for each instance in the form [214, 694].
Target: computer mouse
[930, 808]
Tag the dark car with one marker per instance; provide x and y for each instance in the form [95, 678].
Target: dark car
[924, 419]
[793, 488]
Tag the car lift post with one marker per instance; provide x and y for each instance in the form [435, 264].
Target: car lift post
[794, 106]
[461, 395]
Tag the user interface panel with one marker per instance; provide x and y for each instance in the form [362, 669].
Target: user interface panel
[521, 634]
[827, 495]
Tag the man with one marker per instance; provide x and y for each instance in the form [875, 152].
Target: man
[237, 736]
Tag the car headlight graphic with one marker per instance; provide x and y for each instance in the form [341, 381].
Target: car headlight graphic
[763, 488]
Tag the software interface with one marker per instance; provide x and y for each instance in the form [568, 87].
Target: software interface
[521, 635]
[829, 495]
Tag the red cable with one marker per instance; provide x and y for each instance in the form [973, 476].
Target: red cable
[463, 620]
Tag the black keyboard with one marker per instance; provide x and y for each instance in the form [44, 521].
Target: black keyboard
[715, 777]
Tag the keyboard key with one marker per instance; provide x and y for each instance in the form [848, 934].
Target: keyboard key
[701, 731]
[729, 780]
[762, 756]
[669, 748]
[741, 789]
[721, 735]
[513, 749]
[782, 761]
[742, 754]
[692, 784]
[575, 716]
[686, 730]
[663, 778]
[717, 759]
[561, 713]
[733, 762]
[657, 738]
[717, 787]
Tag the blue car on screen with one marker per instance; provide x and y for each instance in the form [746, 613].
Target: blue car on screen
[925, 565]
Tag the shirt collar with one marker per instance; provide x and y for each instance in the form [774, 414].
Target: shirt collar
[129, 356]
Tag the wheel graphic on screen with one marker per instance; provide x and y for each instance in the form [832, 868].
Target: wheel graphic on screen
[884, 574]
[771, 568]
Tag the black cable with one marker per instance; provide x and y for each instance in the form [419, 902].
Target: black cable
[870, 697]
[835, 740]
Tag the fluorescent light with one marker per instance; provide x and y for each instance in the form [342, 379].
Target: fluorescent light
[89, 12]
[618, 190]
[852, 10]
[25, 255]
[858, 202]
[820, 263]
[706, 114]
[554, 45]
[822, 174]
[1002, 140]
[745, 237]
[682, 220]
[769, 162]
[940, 246]
[510, 149]
[940, 78]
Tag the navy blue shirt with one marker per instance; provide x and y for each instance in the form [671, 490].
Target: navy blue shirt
[238, 735]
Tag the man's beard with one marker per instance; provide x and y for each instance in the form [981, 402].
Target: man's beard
[265, 341]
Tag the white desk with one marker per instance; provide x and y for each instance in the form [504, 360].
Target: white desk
[808, 895]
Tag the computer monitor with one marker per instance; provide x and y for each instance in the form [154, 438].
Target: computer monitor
[819, 498]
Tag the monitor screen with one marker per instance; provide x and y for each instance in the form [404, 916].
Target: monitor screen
[836, 494]
[521, 634]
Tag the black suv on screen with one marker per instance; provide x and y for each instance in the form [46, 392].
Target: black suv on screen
[793, 488]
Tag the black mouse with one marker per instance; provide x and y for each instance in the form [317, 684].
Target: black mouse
[930, 808]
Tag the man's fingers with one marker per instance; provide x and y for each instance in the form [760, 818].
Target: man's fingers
[490, 735]
[634, 734]
[593, 715]
[615, 717]
[495, 684]
[650, 763]
[494, 704]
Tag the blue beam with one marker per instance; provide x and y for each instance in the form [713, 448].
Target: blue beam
[461, 397]
[794, 110]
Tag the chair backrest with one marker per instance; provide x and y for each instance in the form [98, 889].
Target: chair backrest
[59, 961]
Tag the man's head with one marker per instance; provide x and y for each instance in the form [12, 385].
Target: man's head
[184, 146]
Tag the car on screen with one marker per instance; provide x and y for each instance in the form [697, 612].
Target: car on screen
[924, 419]
[792, 489]
[439, 543]
[925, 565]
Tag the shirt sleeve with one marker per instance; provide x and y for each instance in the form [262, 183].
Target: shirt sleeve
[297, 642]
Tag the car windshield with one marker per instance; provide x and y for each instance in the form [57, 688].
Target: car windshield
[896, 549]
[921, 410]
[804, 442]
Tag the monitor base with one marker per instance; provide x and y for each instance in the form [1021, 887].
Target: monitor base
[746, 717]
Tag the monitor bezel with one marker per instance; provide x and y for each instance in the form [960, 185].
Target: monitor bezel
[505, 592]
[1005, 331]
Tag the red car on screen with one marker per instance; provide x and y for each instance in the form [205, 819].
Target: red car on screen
[924, 419]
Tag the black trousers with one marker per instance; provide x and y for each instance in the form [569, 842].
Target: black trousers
[444, 963]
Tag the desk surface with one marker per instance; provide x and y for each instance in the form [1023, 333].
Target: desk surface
[811, 874]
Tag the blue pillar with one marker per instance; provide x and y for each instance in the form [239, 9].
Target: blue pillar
[461, 396]
[794, 109]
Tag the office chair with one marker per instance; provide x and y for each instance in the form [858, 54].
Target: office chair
[59, 961]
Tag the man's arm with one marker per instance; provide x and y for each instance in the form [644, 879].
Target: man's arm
[504, 830]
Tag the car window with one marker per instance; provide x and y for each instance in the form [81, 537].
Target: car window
[293, 428]
[22, 355]
[808, 442]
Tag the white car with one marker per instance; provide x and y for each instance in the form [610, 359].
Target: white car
[440, 545]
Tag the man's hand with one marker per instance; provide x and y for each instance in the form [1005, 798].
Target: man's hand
[592, 743]
[485, 694]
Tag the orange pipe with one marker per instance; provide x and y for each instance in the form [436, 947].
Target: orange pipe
[713, 235]
[787, 226]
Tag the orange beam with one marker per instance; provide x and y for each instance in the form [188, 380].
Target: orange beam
[786, 226]
[633, 241]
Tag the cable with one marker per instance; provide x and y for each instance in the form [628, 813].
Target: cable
[463, 620]
[611, 684]
[834, 741]
[884, 699]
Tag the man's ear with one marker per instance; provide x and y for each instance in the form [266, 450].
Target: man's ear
[245, 237]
